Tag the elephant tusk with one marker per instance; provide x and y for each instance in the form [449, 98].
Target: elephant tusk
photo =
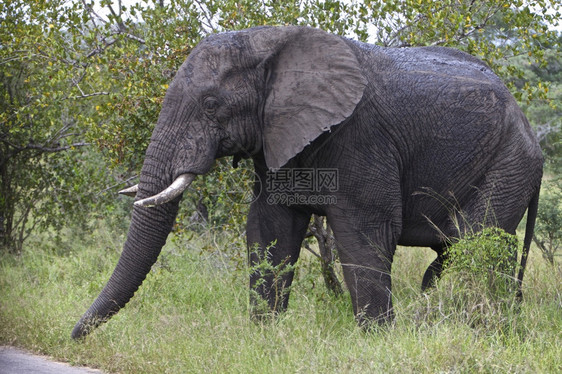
[130, 191]
[170, 193]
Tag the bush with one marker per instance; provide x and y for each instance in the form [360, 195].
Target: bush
[478, 286]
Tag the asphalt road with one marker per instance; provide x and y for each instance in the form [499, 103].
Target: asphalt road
[16, 361]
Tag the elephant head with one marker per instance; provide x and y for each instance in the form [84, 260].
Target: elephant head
[265, 91]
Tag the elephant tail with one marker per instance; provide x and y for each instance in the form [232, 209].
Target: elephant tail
[529, 231]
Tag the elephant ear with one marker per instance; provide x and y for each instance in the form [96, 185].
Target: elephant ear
[314, 82]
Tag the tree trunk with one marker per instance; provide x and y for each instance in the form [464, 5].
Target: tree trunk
[328, 255]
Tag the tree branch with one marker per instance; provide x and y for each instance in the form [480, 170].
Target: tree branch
[205, 11]
[126, 181]
[83, 96]
[44, 148]
[56, 149]
[133, 37]
[305, 244]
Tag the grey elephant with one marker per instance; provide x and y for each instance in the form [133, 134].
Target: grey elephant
[412, 146]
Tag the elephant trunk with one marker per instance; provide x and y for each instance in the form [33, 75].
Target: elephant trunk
[147, 235]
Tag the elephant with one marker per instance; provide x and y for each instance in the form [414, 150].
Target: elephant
[410, 146]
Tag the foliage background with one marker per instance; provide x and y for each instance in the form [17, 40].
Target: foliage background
[82, 83]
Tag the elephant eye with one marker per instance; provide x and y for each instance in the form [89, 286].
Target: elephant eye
[210, 105]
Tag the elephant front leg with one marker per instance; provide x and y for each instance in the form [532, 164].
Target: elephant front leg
[275, 234]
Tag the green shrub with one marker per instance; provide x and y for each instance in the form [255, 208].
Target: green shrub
[487, 258]
[478, 286]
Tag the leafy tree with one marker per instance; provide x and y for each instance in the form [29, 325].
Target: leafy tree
[46, 176]
[496, 31]
[545, 114]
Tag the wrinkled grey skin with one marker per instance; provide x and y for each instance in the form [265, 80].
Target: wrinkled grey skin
[426, 141]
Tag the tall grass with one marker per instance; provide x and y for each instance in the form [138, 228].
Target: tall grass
[191, 316]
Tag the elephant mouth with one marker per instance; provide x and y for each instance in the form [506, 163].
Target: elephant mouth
[178, 186]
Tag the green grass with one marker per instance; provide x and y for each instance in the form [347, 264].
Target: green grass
[191, 316]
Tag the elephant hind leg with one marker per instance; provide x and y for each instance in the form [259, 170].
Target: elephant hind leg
[366, 256]
[435, 269]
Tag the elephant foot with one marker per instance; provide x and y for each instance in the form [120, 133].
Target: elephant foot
[374, 324]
